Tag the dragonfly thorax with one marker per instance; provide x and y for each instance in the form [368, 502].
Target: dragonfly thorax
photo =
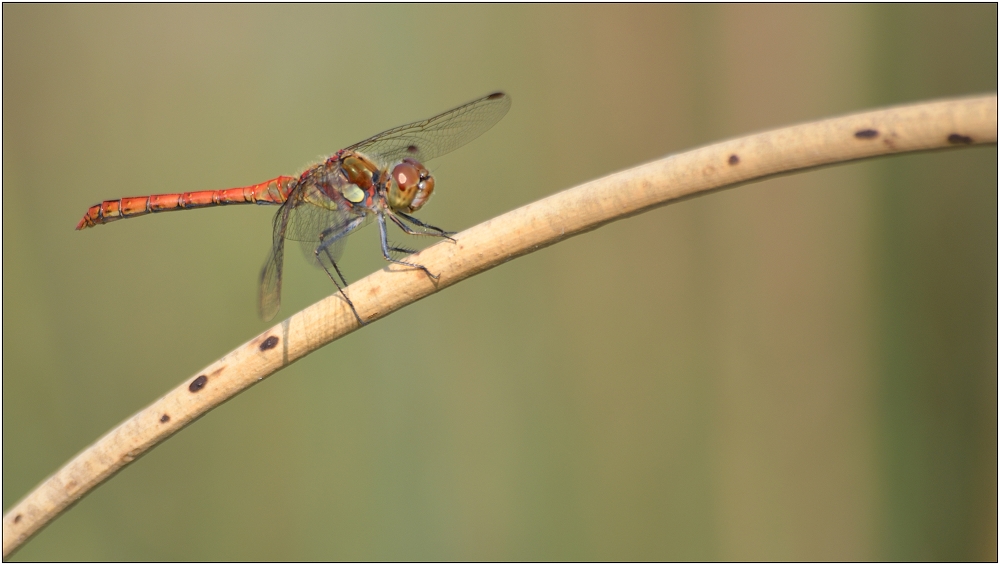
[410, 186]
[359, 170]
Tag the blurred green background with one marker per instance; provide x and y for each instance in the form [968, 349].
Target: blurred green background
[799, 369]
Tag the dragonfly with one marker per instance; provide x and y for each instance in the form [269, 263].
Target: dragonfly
[381, 178]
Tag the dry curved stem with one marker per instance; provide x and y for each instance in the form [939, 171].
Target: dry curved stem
[917, 127]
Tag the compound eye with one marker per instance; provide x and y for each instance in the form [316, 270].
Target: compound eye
[406, 176]
[403, 186]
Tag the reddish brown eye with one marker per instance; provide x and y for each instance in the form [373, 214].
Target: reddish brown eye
[406, 176]
[404, 185]
[410, 187]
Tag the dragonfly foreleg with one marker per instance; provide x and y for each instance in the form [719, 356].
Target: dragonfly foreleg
[386, 248]
[438, 231]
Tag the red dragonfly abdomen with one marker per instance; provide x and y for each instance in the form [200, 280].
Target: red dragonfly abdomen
[274, 191]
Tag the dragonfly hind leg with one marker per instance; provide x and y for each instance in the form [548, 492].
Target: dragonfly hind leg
[324, 255]
[326, 251]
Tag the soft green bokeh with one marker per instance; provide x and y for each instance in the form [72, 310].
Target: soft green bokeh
[801, 369]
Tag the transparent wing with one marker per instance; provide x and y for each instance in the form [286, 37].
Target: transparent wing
[269, 296]
[310, 214]
[311, 217]
[433, 137]
[335, 239]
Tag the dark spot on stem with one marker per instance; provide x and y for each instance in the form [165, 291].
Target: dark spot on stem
[198, 383]
[866, 134]
[734, 159]
[164, 418]
[17, 518]
[959, 139]
[269, 343]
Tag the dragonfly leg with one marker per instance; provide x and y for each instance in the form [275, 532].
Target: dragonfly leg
[386, 248]
[326, 240]
[332, 235]
[335, 267]
[414, 221]
[326, 251]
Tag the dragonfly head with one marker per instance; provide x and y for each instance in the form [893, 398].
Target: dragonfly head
[410, 186]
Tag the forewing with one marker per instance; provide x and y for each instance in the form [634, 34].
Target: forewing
[433, 137]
